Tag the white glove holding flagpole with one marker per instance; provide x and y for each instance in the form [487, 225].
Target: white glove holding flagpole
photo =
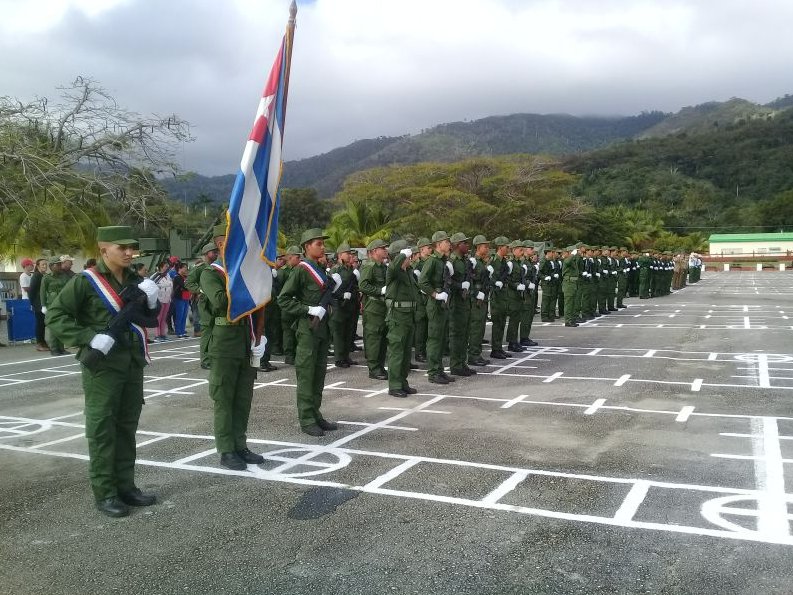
[257, 351]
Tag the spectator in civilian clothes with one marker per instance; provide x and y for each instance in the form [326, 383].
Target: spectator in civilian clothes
[165, 289]
[174, 262]
[34, 291]
[24, 278]
[181, 301]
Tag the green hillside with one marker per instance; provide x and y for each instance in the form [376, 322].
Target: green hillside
[708, 117]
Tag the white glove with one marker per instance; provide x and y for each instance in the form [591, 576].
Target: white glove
[450, 266]
[317, 311]
[103, 343]
[337, 280]
[480, 296]
[472, 260]
[525, 268]
[532, 286]
[347, 295]
[509, 266]
[257, 351]
[44, 309]
[597, 274]
[574, 252]
[357, 274]
[442, 296]
[407, 252]
[275, 273]
[556, 275]
[521, 287]
[548, 278]
[499, 284]
[490, 270]
[613, 272]
[417, 273]
[382, 290]
[465, 285]
[151, 290]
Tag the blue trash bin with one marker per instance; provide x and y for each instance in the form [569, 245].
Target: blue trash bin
[21, 320]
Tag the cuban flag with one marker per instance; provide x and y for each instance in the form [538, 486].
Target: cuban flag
[252, 233]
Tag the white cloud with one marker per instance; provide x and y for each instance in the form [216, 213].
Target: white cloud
[363, 68]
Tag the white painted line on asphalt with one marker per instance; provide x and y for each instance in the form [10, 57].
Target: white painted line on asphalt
[375, 393]
[152, 441]
[196, 456]
[685, 413]
[407, 409]
[506, 487]
[360, 423]
[712, 356]
[762, 371]
[334, 384]
[65, 416]
[746, 308]
[696, 385]
[746, 323]
[389, 475]
[596, 404]
[67, 439]
[650, 353]
[553, 377]
[595, 351]
[513, 402]
[622, 380]
[633, 500]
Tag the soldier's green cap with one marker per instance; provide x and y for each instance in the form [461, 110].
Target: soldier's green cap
[550, 249]
[515, 244]
[613, 248]
[424, 242]
[480, 239]
[501, 241]
[396, 246]
[414, 249]
[459, 237]
[439, 236]
[312, 234]
[374, 244]
[54, 260]
[528, 244]
[343, 247]
[605, 248]
[116, 234]
[208, 247]
[294, 251]
[219, 230]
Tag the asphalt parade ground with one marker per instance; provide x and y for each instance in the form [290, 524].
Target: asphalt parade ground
[643, 452]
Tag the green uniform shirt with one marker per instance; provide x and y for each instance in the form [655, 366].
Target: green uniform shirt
[51, 286]
[349, 283]
[373, 279]
[431, 278]
[300, 292]
[401, 285]
[228, 341]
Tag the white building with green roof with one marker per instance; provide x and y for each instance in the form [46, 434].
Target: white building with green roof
[751, 244]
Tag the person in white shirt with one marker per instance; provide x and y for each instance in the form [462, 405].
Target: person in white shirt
[25, 277]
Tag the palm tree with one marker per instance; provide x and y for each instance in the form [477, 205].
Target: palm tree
[358, 223]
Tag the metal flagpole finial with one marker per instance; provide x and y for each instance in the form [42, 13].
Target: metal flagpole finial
[292, 12]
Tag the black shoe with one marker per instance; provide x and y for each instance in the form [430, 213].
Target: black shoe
[205, 366]
[113, 507]
[471, 371]
[421, 358]
[459, 372]
[515, 348]
[135, 497]
[398, 392]
[438, 379]
[604, 312]
[546, 319]
[612, 309]
[342, 364]
[580, 320]
[267, 367]
[525, 343]
[414, 366]
[350, 362]
[409, 390]
[355, 348]
[312, 430]
[231, 460]
[498, 355]
[289, 361]
[378, 375]
[278, 352]
[570, 324]
[328, 426]
[479, 361]
[250, 457]
[448, 378]
[356, 337]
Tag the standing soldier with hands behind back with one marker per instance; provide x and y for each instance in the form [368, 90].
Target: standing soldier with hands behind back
[82, 315]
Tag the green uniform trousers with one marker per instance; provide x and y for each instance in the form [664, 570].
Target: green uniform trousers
[560, 301]
[272, 328]
[622, 290]
[527, 315]
[400, 343]
[420, 334]
[498, 315]
[375, 341]
[570, 290]
[437, 327]
[231, 388]
[476, 329]
[513, 313]
[548, 304]
[459, 318]
[207, 322]
[310, 368]
[113, 402]
[603, 292]
[644, 283]
[588, 301]
[288, 337]
[611, 293]
[341, 321]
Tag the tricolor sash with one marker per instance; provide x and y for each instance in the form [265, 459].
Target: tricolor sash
[114, 303]
[316, 274]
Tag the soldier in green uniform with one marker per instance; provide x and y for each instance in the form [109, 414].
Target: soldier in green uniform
[516, 289]
[192, 283]
[293, 255]
[548, 286]
[559, 293]
[480, 290]
[435, 282]
[587, 284]
[401, 299]
[272, 320]
[345, 302]
[644, 263]
[623, 270]
[460, 306]
[570, 275]
[79, 316]
[424, 247]
[499, 300]
[51, 285]
[231, 373]
[300, 298]
[375, 341]
[529, 303]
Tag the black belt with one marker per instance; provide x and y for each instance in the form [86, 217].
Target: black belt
[394, 304]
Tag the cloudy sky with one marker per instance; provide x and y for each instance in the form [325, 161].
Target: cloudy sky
[365, 68]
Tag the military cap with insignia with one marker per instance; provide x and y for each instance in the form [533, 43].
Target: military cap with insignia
[208, 247]
[459, 237]
[116, 234]
[528, 243]
[439, 236]
[515, 244]
[294, 251]
[219, 230]
[312, 234]
[396, 246]
[501, 241]
[423, 242]
[374, 244]
[480, 239]
[343, 248]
